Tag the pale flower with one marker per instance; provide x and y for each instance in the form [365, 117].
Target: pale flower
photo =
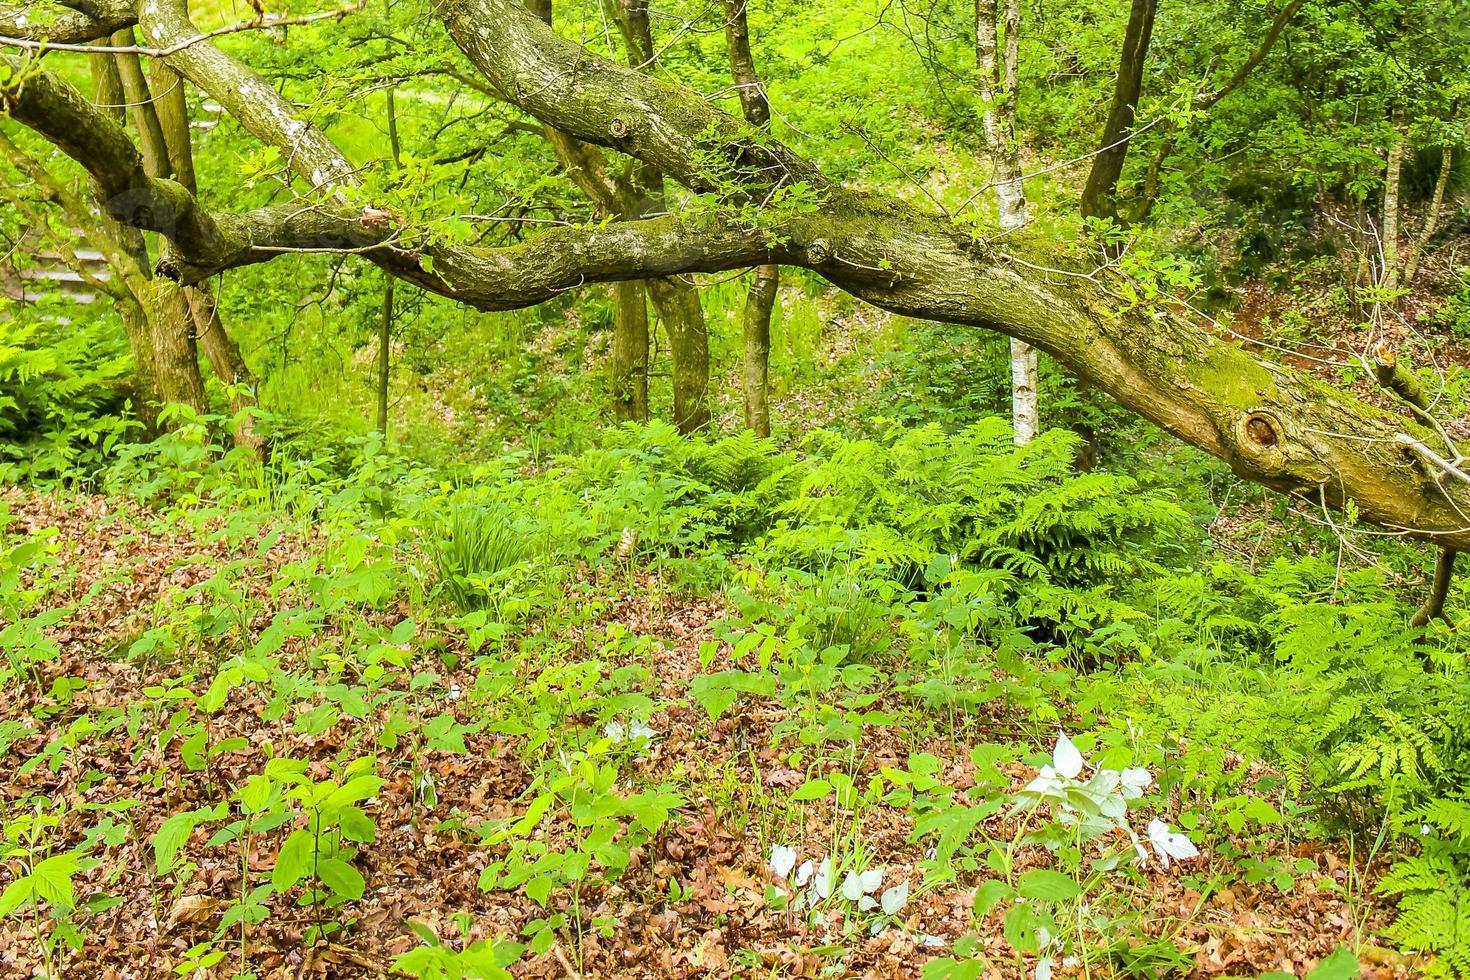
[783, 859]
[1169, 844]
[1065, 757]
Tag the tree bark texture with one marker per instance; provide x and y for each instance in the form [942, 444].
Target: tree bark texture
[1099, 196]
[760, 301]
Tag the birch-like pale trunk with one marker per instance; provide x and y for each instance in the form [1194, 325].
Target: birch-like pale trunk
[1392, 183]
[997, 85]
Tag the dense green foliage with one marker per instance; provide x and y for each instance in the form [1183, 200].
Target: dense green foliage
[878, 643]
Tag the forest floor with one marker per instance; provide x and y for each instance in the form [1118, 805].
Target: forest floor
[694, 901]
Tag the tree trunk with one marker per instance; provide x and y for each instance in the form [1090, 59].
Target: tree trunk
[171, 109]
[1431, 217]
[385, 325]
[140, 108]
[676, 300]
[169, 372]
[228, 364]
[1392, 188]
[683, 319]
[1099, 196]
[630, 352]
[761, 299]
[107, 91]
[998, 80]
[759, 303]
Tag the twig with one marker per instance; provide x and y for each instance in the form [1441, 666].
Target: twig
[1430, 456]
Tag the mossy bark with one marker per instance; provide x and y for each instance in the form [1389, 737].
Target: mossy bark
[629, 367]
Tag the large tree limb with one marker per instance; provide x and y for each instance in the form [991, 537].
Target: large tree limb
[73, 22]
[1274, 425]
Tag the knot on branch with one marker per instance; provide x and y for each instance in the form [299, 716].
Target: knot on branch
[1262, 430]
[819, 251]
[618, 128]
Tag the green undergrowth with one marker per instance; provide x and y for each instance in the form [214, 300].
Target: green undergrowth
[923, 588]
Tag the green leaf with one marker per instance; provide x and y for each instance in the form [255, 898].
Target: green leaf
[1261, 812]
[947, 969]
[174, 834]
[354, 791]
[356, 825]
[539, 889]
[1340, 965]
[534, 813]
[255, 795]
[15, 896]
[1052, 886]
[293, 861]
[342, 878]
[51, 879]
[1021, 929]
[229, 745]
[812, 789]
[988, 894]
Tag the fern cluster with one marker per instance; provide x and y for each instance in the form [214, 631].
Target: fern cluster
[62, 390]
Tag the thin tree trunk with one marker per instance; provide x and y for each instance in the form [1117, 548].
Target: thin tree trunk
[107, 91]
[140, 108]
[1392, 187]
[1431, 217]
[626, 197]
[997, 82]
[1099, 196]
[171, 109]
[675, 299]
[630, 352]
[168, 107]
[683, 319]
[761, 299]
[228, 364]
[385, 326]
[759, 303]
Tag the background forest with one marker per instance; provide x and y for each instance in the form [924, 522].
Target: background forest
[720, 623]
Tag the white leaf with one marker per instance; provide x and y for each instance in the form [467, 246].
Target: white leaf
[1046, 783]
[866, 904]
[1135, 781]
[871, 879]
[852, 887]
[933, 942]
[804, 873]
[1043, 968]
[1168, 844]
[1104, 782]
[783, 859]
[822, 884]
[615, 731]
[895, 898]
[1065, 757]
[640, 730]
